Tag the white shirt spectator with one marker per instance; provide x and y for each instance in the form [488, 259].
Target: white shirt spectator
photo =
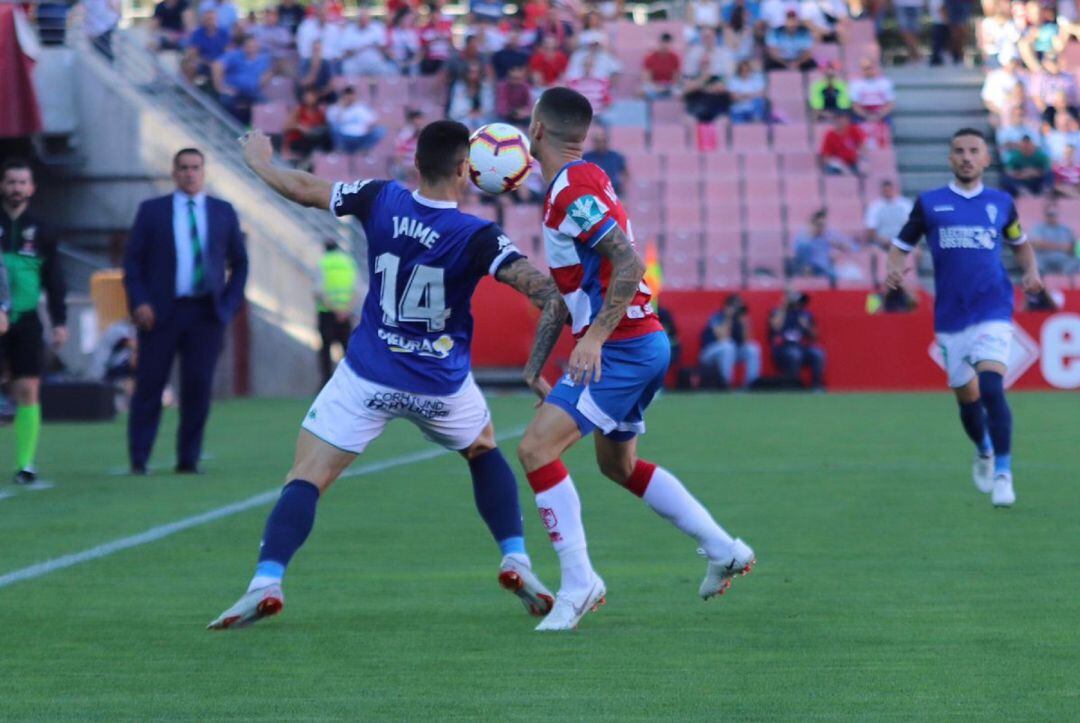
[1000, 38]
[887, 216]
[999, 88]
[101, 16]
[1012, 135]
[404, 44]
[313, 29]
[362, 48]
[354, 120]
[774, 12]
[604, 65]
[721, 61]
[872, 92]
[704, 13]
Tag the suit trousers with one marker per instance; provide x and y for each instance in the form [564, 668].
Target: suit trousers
[195, 333]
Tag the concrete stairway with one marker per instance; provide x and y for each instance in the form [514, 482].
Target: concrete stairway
[932, 103]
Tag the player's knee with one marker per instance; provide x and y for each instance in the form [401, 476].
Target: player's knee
[533, 453]
[618, 470]
[25, 392]
[483, 444]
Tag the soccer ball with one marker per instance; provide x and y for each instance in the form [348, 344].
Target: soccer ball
[499, 159]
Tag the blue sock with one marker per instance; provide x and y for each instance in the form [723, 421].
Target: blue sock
[998, 418]
[973, 417]
[496, 493]
[288, 525]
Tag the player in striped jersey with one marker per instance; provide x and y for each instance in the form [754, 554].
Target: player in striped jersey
[617, 367]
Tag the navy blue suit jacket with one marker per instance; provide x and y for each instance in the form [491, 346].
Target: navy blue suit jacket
[150, 258]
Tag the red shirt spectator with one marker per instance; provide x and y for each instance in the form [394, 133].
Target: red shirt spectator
[535, 12]
[843, 143]
[663, 64]
[548, 63]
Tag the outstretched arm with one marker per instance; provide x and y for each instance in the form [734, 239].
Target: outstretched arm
[541, 291]
[297, 186]
[627, 270]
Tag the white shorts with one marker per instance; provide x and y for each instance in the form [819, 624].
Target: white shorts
[962, 350]
[350, 411]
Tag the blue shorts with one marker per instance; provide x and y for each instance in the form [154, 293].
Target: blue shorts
[631, 372]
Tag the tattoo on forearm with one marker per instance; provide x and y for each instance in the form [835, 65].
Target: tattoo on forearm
[627, 270]
[541, 291]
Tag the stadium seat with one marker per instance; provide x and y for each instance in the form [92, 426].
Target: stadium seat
[722, 162]
[855, 270]
[799, 163]
[808, 283]
[628, 84]
[762, 191]
[724, 240]
[666, 112]
[787, 95]
[791, 137]
[668, 138]
[721, 189]
[723, 212]
[1058, 282]
[642, 190]
[722, 271]
[845, 214]
[825, 53]
[392, 90]
[681, 271]
[281, 89]
[860, 32]
[375, 164]
[687, 242]
[627, 139]
[644, 165]
[1031, 210]
[841, 188]
[763, 213]
[683, 164]
[269, 117]
[427, 87]
[682, 189]
[683, 216]
[331, 166]
[750, 138]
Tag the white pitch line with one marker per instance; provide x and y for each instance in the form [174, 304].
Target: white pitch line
[162, 531]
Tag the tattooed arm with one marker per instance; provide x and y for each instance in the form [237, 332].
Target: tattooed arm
[541, 291]
[627, 270]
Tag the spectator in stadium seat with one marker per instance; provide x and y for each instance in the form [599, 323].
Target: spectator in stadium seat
[1065, 132]
[1000, 36]
[793, 337]
[403, 167]
[612, 162]
[306, 128]
[170, 25]
[1004, 88]
[909, 19]
[227, 14]
[512, 55]
[661, 70]
[1067, 174]
[602, 64]
[1013, 129]
[814, 248]
[872, 95]
[470, 53]
[318, 28]
[737, 34]
[727, 340]
[1026, 169]
[513, 98]
[706, 96]
[290, 14]
[353, 126]
[273, 37]
[708, 58]
[363, 47]
[886, 215]
[534, 13]
[828, 95]
[471, 99]
[562, 30]
[1042, 39]
[239, 78]
[747, 88]
[790, 47]
[702, 14]
[436, 39]
[1048, 87]
[206, 45]
[100, 19]
[1055, 244]
[843, 147]
[403, 42]
[1059, 106]
[746, 11]
[548, 63]
[316, 73]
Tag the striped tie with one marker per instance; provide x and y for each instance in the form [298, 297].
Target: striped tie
[197, 273]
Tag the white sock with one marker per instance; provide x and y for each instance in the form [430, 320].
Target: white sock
[671, 500]
[262, 581]
[560, 511]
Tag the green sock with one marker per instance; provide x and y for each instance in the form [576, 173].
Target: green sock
[27, 428]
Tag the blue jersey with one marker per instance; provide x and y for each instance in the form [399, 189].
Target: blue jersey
[965, 231]
[425, 258]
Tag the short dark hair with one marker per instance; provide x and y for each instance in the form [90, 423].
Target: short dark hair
[187, 152]
[566, 113]
[665, 37]
[968, 131]
[15, 164]
[440, 147]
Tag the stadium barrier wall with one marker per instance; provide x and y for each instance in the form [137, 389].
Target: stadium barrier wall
[865, 351]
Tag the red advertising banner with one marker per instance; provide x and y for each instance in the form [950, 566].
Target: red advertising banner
[865, 351]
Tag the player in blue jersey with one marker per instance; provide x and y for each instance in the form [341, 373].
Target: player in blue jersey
[965, 225]
[410, 355]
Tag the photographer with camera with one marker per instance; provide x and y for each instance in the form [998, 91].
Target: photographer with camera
[726, 340]
[794, 333]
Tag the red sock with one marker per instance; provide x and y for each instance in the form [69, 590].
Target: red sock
[640, 477]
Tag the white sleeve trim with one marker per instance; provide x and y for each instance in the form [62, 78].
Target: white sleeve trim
[1018, 242]
[335, 197]
[903, 245]
[511, 249]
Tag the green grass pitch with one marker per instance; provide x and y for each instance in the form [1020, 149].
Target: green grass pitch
[886, 586]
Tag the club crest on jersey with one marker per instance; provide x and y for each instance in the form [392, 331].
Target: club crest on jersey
[587, 211]
[991, 212]
[401, 344]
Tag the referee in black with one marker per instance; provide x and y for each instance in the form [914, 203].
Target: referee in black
[30, 256]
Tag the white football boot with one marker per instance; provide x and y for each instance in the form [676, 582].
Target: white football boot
[255, 605]
[518, 578]
[719, 573]
[570, 609]
[982, 472]
[1003, 494]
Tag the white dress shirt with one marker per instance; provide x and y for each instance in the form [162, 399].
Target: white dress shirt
[185, 256]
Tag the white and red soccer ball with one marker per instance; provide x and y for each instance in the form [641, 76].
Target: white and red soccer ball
[499, 159]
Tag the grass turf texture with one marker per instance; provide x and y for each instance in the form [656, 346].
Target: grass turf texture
[887, 587]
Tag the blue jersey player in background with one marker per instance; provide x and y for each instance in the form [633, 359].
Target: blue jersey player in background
[966, 225]
[410, 355]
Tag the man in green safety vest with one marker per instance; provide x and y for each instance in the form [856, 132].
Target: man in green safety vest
[336, 298]
[30, 256]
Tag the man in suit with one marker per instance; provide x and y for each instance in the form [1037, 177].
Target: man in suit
[184, 271]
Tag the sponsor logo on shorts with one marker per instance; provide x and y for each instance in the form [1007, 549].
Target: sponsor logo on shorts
[401, 344]
[404, 402]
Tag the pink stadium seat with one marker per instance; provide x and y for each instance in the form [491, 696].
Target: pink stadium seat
[644, 165]
[787, 95]
[427, 86]
[882, 159]
[684, 164]
[688, 242]
[825, 53]
[668, 138]
[762, 191]
[667, 111]
[855, 270]
[682, 270]
[799, 163]
[761, 165]
[645, 220]
[682, 189]
[627, 139]
[762, 243]
[1069, 211]
[791, 137]
[722, 189]
[641, 190]
[721, 163]
[763, 214]
[724, 241]
[750, 138]
[817, 132]
[722, 271]
[854, 53]
[785, 82]
[1058, 282]
[860, 32]
[269, 117]
[799, 211]
[683, 216]
[281, 89]
[331, 166]
[841, 188]
[808, 283]
[629, 83]
[374, 164]
[723, 213]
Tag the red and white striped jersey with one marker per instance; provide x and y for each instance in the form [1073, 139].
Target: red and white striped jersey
[580, 209]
